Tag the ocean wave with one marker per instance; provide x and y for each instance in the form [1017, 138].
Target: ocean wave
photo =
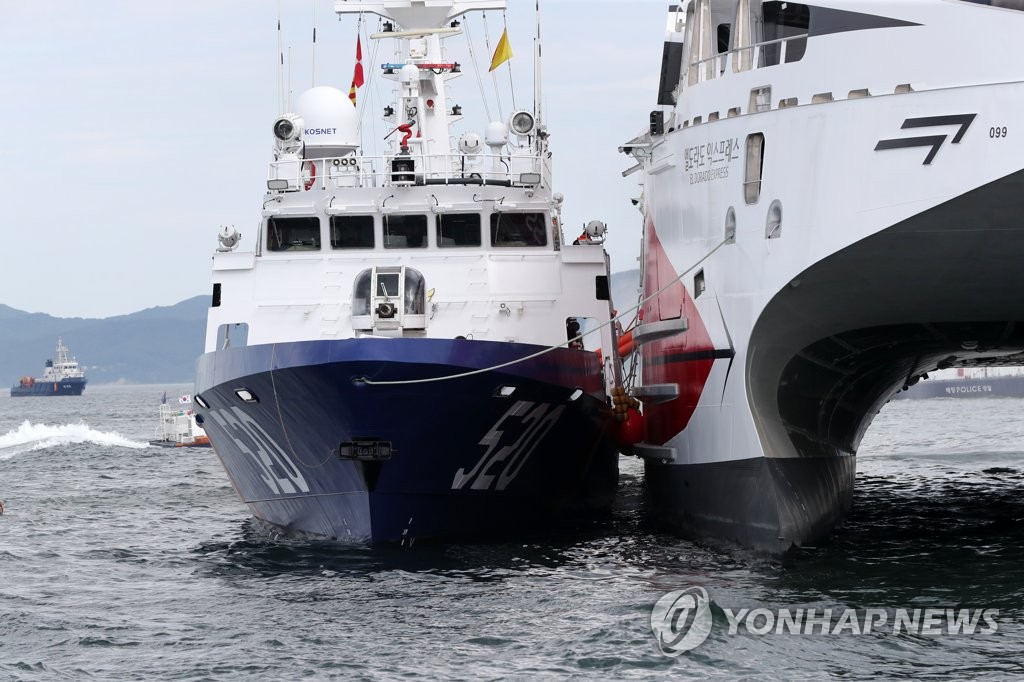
[31, 436]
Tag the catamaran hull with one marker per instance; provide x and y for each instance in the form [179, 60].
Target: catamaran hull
[765, 503]
[311, 447]
[825, 354]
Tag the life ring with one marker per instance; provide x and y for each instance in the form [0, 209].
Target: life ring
[311, 180]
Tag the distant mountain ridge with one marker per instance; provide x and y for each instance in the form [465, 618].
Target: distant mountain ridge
[153, 346]
[156, 345]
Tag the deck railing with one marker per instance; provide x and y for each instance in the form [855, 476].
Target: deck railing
[764, 54]
[351, 171]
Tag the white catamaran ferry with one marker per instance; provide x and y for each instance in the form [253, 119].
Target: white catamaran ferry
[833, 201]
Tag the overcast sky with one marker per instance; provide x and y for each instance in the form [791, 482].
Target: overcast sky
[135, 129]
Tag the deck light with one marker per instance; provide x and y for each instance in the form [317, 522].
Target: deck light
[522, 123]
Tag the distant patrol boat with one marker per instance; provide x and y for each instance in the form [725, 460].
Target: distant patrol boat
[967, 383]
[62, 376]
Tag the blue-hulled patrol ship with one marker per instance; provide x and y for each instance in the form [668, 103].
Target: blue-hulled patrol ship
[398, 354]
[62, 376]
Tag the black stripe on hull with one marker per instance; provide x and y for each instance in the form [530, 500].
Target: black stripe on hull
[713, 354]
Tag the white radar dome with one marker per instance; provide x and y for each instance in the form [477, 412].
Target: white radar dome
[496, 134]
[330, 123]
[470, 143]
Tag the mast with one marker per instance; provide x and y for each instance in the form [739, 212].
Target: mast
[537, 71]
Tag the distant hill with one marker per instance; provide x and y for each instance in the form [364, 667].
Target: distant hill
[156, 345]
[153, 346]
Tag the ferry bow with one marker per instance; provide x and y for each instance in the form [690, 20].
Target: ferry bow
[833, 202]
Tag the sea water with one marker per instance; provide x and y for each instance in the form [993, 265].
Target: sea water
[123, 561]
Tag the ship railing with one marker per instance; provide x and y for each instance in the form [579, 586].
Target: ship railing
[758, 55]
[403, 170]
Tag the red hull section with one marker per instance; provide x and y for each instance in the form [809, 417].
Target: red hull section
[685, 359]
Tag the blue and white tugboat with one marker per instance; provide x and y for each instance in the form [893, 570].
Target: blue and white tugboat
[61, 376]
[397, 355]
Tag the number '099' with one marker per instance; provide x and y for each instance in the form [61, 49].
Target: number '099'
[998, 132]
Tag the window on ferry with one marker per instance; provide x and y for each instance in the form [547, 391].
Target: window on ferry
[519, 229]
[773, 224]
[723, 38]
[352, 232]
[459, 229]
[405, 231]
[754, 168]
[784, 21]
[293, 234]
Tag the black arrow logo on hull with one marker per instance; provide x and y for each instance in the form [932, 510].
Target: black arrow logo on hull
[933, 141]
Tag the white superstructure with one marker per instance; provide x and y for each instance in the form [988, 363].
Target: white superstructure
[449, 233]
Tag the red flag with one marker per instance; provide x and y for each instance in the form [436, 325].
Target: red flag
[357, 77]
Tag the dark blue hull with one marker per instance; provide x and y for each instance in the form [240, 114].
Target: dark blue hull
[317, 451]
[50, 388]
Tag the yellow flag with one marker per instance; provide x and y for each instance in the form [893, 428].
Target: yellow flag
[502, 53]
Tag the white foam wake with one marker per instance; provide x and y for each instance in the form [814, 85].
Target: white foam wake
[31, 436]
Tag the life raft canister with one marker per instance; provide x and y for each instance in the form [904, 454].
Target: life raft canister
[311, 180]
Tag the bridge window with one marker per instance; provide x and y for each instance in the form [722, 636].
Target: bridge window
[352, 232]
[459, 229]
[293, 234]
[786, 21]
[405, 231]
[519, 229]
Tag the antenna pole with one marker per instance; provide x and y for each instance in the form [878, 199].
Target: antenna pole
[313, 83]
[280, 64]
[537, 70]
